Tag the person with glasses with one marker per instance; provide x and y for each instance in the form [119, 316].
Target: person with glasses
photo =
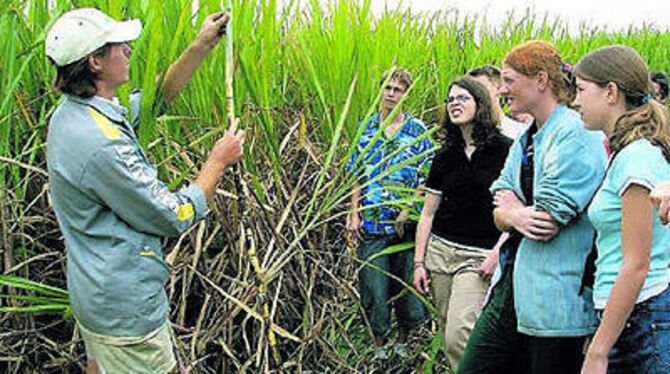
[110, 205]
[456, 232]
[538, 315]
[389, 162]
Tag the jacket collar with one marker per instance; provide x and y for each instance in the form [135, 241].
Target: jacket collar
[108, 108]
[552, 121]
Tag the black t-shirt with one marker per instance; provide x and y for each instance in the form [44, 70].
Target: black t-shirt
[526, 181]
[465, 214]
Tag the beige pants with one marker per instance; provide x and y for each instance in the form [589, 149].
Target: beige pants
[150, 354]
[458, 292]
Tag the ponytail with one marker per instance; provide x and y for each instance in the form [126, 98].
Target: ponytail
[647, 121]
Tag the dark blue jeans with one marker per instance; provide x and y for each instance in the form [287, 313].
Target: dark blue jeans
[644, 343]
[379, 292]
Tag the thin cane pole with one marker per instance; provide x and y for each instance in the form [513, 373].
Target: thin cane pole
[246, 238]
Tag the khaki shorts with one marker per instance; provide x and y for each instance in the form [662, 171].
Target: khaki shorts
[150, 354]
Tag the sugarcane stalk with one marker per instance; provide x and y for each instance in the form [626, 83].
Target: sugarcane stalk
[246, 240]
[241, 205]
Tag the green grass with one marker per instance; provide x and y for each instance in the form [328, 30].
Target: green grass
[304, 78]
[43, 299]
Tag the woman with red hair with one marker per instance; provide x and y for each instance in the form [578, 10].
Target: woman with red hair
[538, 314]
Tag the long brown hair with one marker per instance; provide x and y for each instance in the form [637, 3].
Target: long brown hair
[644, 118]
[534, 56]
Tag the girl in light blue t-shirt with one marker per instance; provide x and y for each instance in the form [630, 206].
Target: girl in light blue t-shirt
[631, 282]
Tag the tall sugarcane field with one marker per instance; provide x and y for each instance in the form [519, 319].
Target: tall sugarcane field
[267, 281]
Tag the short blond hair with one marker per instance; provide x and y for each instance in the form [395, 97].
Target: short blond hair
[400, 74]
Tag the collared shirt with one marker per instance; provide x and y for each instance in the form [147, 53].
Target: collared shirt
[568, 166]
[465, 213]
[391, 168]
[639, 163]
[112, 211]
[511, 128]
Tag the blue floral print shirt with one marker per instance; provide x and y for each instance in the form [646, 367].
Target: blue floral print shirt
[389, 169]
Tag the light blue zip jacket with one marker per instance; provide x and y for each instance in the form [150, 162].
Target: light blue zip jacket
[113, 211]
[569, 164]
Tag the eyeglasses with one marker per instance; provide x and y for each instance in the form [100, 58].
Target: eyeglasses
[462, 98]
[125, 47]
[394, 90]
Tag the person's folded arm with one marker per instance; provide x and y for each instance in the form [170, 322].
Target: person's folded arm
[571, 175]
[506, 203]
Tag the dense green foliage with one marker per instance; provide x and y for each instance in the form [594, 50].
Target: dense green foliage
[303, 80]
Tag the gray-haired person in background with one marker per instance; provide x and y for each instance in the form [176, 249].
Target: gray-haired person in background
[110, 205]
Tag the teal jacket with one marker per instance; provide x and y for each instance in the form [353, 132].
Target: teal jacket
[569, 164]
[113, 211]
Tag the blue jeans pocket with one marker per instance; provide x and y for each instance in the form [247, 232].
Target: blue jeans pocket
[644, 343]
[659, 309]
[661, 336]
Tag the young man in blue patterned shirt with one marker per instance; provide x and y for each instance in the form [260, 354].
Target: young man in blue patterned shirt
[389, 163]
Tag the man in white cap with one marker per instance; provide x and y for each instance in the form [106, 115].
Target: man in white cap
[110, 205]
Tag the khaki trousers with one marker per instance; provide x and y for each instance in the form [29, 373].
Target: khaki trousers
[149, 354]
[458, 292]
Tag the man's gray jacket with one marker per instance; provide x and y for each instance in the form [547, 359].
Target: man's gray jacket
[112, 211]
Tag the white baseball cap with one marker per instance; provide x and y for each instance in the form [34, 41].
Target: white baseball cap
[80, 32]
